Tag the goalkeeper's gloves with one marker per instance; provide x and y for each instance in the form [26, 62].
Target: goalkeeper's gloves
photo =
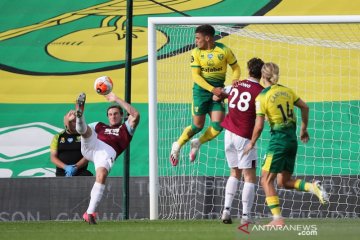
[70, 170]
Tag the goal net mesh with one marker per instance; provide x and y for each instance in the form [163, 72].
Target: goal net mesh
[321, 63]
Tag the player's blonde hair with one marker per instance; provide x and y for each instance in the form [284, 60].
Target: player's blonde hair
[270, 71]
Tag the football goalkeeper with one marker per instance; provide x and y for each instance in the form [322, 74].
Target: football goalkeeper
[209, 62]
[277, 102]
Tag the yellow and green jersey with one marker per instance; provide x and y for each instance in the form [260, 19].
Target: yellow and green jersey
[213, 63]
[277, 103]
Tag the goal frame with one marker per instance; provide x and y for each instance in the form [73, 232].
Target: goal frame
[152, 72]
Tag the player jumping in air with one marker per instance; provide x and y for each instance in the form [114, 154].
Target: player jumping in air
[209, 62]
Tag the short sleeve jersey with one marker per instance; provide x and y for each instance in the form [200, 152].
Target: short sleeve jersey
[117, 137]
[241, 102]
[213, 63]
[277, 102]
[68, 148]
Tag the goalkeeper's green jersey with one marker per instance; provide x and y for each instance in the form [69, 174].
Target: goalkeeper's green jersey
[277, 102]
[213, 63]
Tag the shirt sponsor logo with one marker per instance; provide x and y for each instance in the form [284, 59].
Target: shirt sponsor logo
[214, 69]
[110, 131]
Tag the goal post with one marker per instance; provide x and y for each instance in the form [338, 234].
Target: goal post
[318, 56]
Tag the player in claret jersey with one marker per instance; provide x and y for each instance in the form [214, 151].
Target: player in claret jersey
[102, 143]
[239, 124]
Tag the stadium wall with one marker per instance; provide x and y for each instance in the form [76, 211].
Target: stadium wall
[35, 199]
[61, 198]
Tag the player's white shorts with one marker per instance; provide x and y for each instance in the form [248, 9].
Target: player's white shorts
[234, 148]
[98, 152]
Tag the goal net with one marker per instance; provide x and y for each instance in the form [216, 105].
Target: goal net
[319, 58]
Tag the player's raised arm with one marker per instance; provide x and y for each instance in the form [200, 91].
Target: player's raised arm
[134, 115]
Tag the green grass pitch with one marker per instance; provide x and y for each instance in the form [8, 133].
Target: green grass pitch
[326, 229]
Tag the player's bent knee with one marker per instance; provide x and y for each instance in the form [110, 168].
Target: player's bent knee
[195, 129]
[281, 184]
[101, 175]
[249, 175]
[235, 172]
[285, 184]
[266, 181]
[288, 185]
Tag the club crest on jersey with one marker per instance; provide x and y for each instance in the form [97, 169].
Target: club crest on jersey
[78, 139]
[211, 63]
[221, 57]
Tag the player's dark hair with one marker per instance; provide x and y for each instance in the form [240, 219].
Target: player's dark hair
[114, 106]
[254, 65]
[206, 30]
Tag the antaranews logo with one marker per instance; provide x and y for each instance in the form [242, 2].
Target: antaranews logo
[298, 229]
[244, 228]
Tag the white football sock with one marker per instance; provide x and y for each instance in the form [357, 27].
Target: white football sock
[248, 195]
[81, 126]
[230, 190]
[95, 197]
